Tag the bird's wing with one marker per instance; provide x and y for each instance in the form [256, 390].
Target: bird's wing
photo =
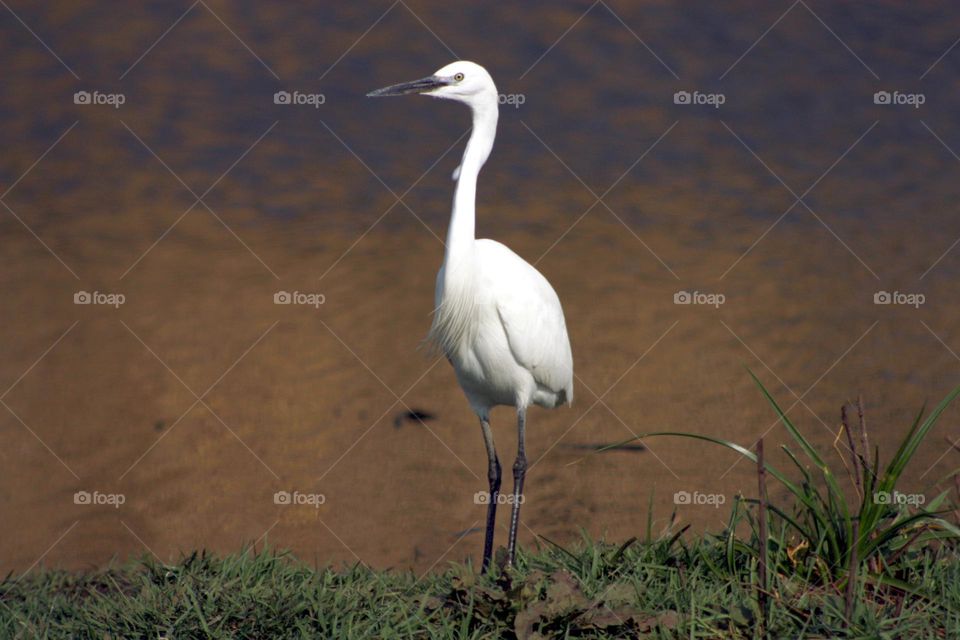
[532, 319]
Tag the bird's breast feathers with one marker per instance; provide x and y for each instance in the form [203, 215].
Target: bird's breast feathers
[498, 307]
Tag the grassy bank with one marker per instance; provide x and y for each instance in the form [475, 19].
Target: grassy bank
[665, 589]
[853, 558]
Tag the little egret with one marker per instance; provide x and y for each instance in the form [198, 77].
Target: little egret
[496, 318]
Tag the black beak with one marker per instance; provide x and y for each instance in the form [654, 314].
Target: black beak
[405, 88]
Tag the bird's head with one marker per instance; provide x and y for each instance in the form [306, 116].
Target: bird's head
[462, 81]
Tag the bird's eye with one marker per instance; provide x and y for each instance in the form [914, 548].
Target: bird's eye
[458, 77]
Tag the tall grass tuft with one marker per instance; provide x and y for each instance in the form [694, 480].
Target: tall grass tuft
[824, 535]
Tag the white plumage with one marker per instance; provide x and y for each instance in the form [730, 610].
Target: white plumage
[496, 318]
[503, 329]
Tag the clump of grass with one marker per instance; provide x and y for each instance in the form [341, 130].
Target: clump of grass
[824, 538]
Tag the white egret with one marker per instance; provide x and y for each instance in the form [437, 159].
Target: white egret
[496, 318]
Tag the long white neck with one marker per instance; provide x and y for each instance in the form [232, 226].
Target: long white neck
[462, 232]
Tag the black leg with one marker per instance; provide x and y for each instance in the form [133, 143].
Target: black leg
[493, 476]
[519, 473]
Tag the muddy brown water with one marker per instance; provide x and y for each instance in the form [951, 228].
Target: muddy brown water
[198, 399]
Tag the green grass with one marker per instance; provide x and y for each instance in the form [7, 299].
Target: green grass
[836, 566]
[664, 589]
[835, 529]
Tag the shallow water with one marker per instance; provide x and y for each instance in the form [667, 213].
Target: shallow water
[199, 398]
